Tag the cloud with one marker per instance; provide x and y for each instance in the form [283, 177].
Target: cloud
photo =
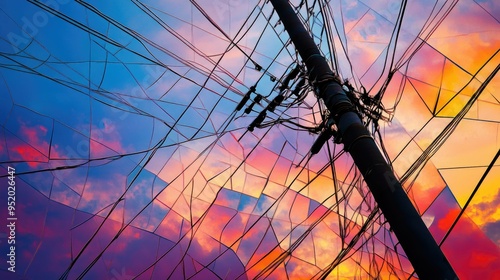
[471, 253]
[484, 209]
[492, 230]
[469, 250]
[32, 146]
[28, 154]
[106, 140]
[478, 39]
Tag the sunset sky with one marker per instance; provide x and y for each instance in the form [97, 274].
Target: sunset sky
[131, 159]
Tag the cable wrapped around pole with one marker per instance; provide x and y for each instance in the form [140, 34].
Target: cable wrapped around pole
[422, 250]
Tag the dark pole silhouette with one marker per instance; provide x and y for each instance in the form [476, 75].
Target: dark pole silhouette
[422, 250]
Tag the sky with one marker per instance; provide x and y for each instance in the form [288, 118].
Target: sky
[131, 161]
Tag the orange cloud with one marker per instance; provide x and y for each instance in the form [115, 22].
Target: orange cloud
[173, 227]
[477, 39]
[261, 260]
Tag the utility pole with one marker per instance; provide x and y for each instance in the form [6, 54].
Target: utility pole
[422, 250]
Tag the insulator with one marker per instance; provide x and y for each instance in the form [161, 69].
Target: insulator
[321, 140]
[299, 86]
[289, 77]
[248, 110]
[257, 98]
[258, 120]
[243, 101]
[245, 98]
[276, 102]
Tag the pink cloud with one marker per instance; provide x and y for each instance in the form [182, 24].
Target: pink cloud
[471, 253]
[28, 154]
[106, 141]
[445, 222]
[106, 148]
[33, 147]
